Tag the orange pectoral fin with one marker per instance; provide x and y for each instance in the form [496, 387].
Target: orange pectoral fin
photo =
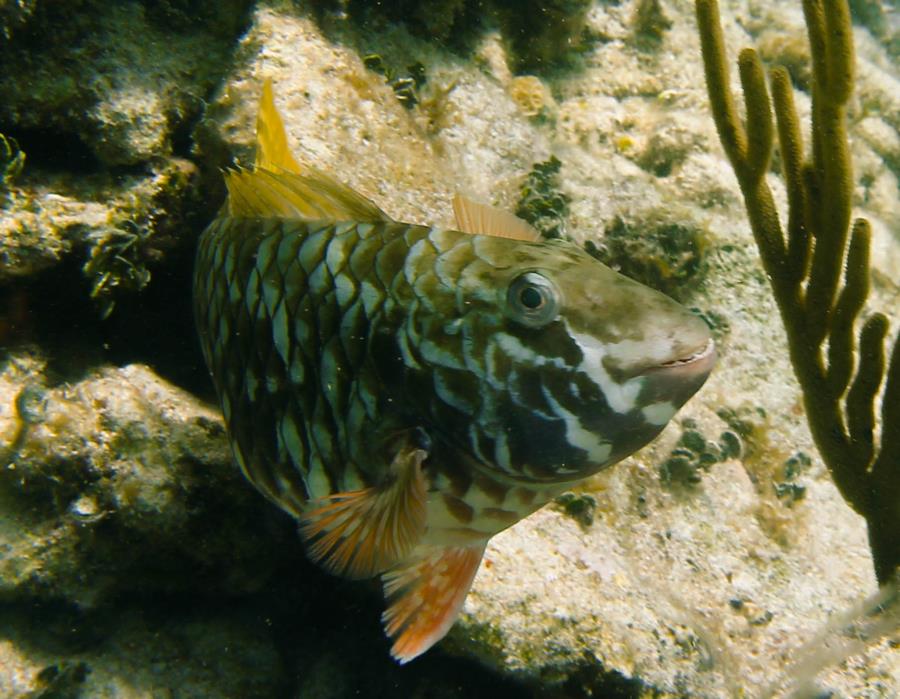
[362, 533]
[425, 595]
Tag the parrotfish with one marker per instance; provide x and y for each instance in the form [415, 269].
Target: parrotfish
[407, 391]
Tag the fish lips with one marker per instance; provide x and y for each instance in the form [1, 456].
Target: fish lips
[677, 380]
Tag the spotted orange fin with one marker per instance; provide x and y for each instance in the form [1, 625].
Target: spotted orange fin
[426, 594]
[481, 219]
[361, 533]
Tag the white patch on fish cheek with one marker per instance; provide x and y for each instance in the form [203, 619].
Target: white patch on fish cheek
[621, 397]
[597, 449]
[658, 413]
[514, 348]
[657, 350]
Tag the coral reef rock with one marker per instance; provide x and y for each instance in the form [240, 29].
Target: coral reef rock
[700, 567]
[101, 471]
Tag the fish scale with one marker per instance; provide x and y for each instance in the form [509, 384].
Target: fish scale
[406, 392]
[328, 344]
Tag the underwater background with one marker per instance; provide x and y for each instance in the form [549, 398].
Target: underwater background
[135, 561]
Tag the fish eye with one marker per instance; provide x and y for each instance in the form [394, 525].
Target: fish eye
[533, 299]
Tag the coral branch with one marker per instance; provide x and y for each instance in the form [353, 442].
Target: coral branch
[791, 144]
[731, 132]
[820, 298]
[759, 120]
[889, 458]
[861, 396]
[850, 302]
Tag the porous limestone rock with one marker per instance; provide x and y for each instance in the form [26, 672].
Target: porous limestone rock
[121, 78]
[121, 483]
[123, 225]
[712, 557]
[142, 656]
[99, 97]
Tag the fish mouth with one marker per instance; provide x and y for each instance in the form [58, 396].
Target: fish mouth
[677, 380]
[699, 360]
[695, 362]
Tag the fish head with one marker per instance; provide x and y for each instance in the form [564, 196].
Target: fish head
[577, 365]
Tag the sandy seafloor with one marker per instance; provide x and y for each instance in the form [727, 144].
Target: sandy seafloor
[136, 562]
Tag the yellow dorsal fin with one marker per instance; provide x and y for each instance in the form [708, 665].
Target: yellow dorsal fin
[272, 151]
[481, 219]
[278, 186]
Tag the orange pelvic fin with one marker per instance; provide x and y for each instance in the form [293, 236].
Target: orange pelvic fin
[361, 533]
[426, 594]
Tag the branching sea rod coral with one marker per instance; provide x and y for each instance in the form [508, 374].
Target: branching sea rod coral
[820, 271]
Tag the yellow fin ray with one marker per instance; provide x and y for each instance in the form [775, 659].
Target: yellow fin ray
[272, 151]
[481, 219]
[278, 186]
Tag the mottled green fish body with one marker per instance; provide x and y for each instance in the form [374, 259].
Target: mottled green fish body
[406, 392]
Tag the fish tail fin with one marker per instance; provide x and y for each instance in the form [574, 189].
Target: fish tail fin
[278, 186]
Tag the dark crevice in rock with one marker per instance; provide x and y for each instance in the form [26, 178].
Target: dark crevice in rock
[50, 150]
[541, 36]
[591, 681]
[325, 633]
[59, 318]
[154, 327]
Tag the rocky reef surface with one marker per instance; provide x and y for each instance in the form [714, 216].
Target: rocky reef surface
[134, 560]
